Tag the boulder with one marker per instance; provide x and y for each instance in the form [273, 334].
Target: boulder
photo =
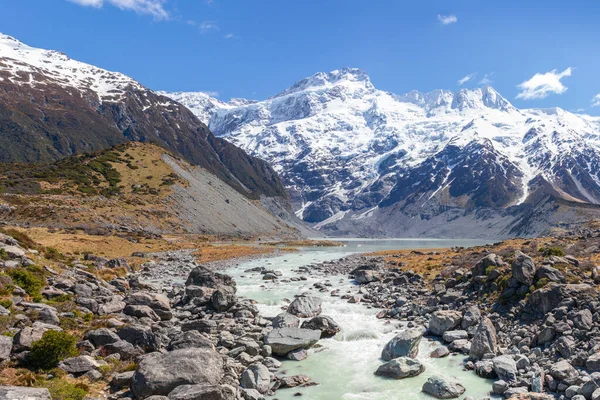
[258, 377]
[305, 306]
[202, 276]
[443, 387]
[593, 362]
[141, 312]
[197, 392]
[444, 320]
[400, 368]
[491, 260]
[471, 317]
[549, 273]
[101, 337]
[563, 370]
[222, 300]
[583, 320]
[404, 344]
[287, 381]
[451, 336]
[362, 276]
[439, 352]
[26, 336]
[78, 365]
[505, 367]
[6, 345]
[159, 374]
[23, 393]
[140, 335]
[157, 302]
[285, 340]
[484, 341]
[286, 320]
[325, 324]
[523, 268]
[189, 339]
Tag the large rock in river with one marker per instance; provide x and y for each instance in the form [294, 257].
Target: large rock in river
[284, 340]
[443, 387]
[404, 344]
[159, 374]
[323, 323]
[400, 368]
[305, 306]
[444, 320]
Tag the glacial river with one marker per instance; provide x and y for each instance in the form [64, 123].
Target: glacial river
[344, 366]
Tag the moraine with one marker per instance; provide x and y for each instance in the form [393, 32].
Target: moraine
[344, 367]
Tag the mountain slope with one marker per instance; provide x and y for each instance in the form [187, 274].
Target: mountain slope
[354, 157]
[52, 106]
[132, 189]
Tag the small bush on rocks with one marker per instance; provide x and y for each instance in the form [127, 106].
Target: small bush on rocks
[53, 347]
[6, 303]
[552, 251]
[541, 283]
[61, 389]
[53, 254]
[3, 254]
[30, 279]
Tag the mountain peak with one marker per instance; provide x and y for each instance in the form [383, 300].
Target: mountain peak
[464, 99]
[329, 79]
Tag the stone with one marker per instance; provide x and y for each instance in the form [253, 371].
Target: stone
[49, 316]
[444, 320]
[140, 335]
[141, 312]
[197, 392]
[102, 336]
[284, 340]
[404, 344]
[323, 323]
[563, 370]
[593, 362]
[26, 336]
[157, 302]
[159, 374]
[23, 393]
[78, 365]
[286, 320]
[297, 355]
[499, 387]
[443, 387]
[201, 325]
[252, 394]
[505, 367]
[189, 339]
[471, 317]
[549, 273]
[484, 341]
[258, 377]
[439, 352]
[451, 336]
[305, 306]
[121, 380]
[124, 349]
[6, 345]
[293, 381]
[362, 276]
[400, 368]
[223, 300]
[583, 320]
[204, 277]
[523, 268]
[491, 260]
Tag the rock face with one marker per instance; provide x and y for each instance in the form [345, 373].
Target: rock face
[196, 392]
[484, 341]
[285, 340]
[443, 387]
[159, 374]
[305, 306]
[523, 268]
[400, 368]
[23, 393]
[404, 344]
[323, 323]
[444, 320]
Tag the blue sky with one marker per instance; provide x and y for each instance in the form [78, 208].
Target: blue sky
[256, 48]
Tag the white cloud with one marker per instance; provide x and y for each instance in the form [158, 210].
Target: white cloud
[229, 36]
[207, 26]
[149, 7]
[466, 79]
[596, 100]
[543, 85]
[487, 79]
[447, 19]
[212, 93]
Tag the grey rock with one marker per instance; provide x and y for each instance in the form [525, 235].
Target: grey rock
[484, 341]
[400, 368]
[23, 393]
[286, 320]
[404, 344]
[159, 374]
[101, 337]
[593, 362]
[443, 387]
[323, 323]
[157, 302]
[284, 340]
[78, 365]
[258, 377]
[471, 317]
[189, 339]
[439, 352]
[499, 387]
[141, 312]
[505, 367]
[122, 380]
[491, 260]
[26, 336]
[550, 273]
[444, 320]
[583, 320]
[223, 300]
[305, 306]
[6, 345]
[523, 268]
[197, 392]
[563, 370]
[451, 336]
[140, 335]
[202, 276]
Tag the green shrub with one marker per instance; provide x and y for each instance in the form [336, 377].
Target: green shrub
[3, 254]
[53, 347]
[52, 254]
[31, 280]
[541, 283]
[61, 389]
[22, 238]
[552, 251]
[6, 303]
[489, 269]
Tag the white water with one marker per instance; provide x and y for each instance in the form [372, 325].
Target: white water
[344, 366]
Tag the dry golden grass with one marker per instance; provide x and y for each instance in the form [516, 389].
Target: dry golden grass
[305, 243]
[208, 253]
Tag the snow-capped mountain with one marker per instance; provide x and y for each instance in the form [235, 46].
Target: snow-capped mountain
[52, 106]
[358, 159]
